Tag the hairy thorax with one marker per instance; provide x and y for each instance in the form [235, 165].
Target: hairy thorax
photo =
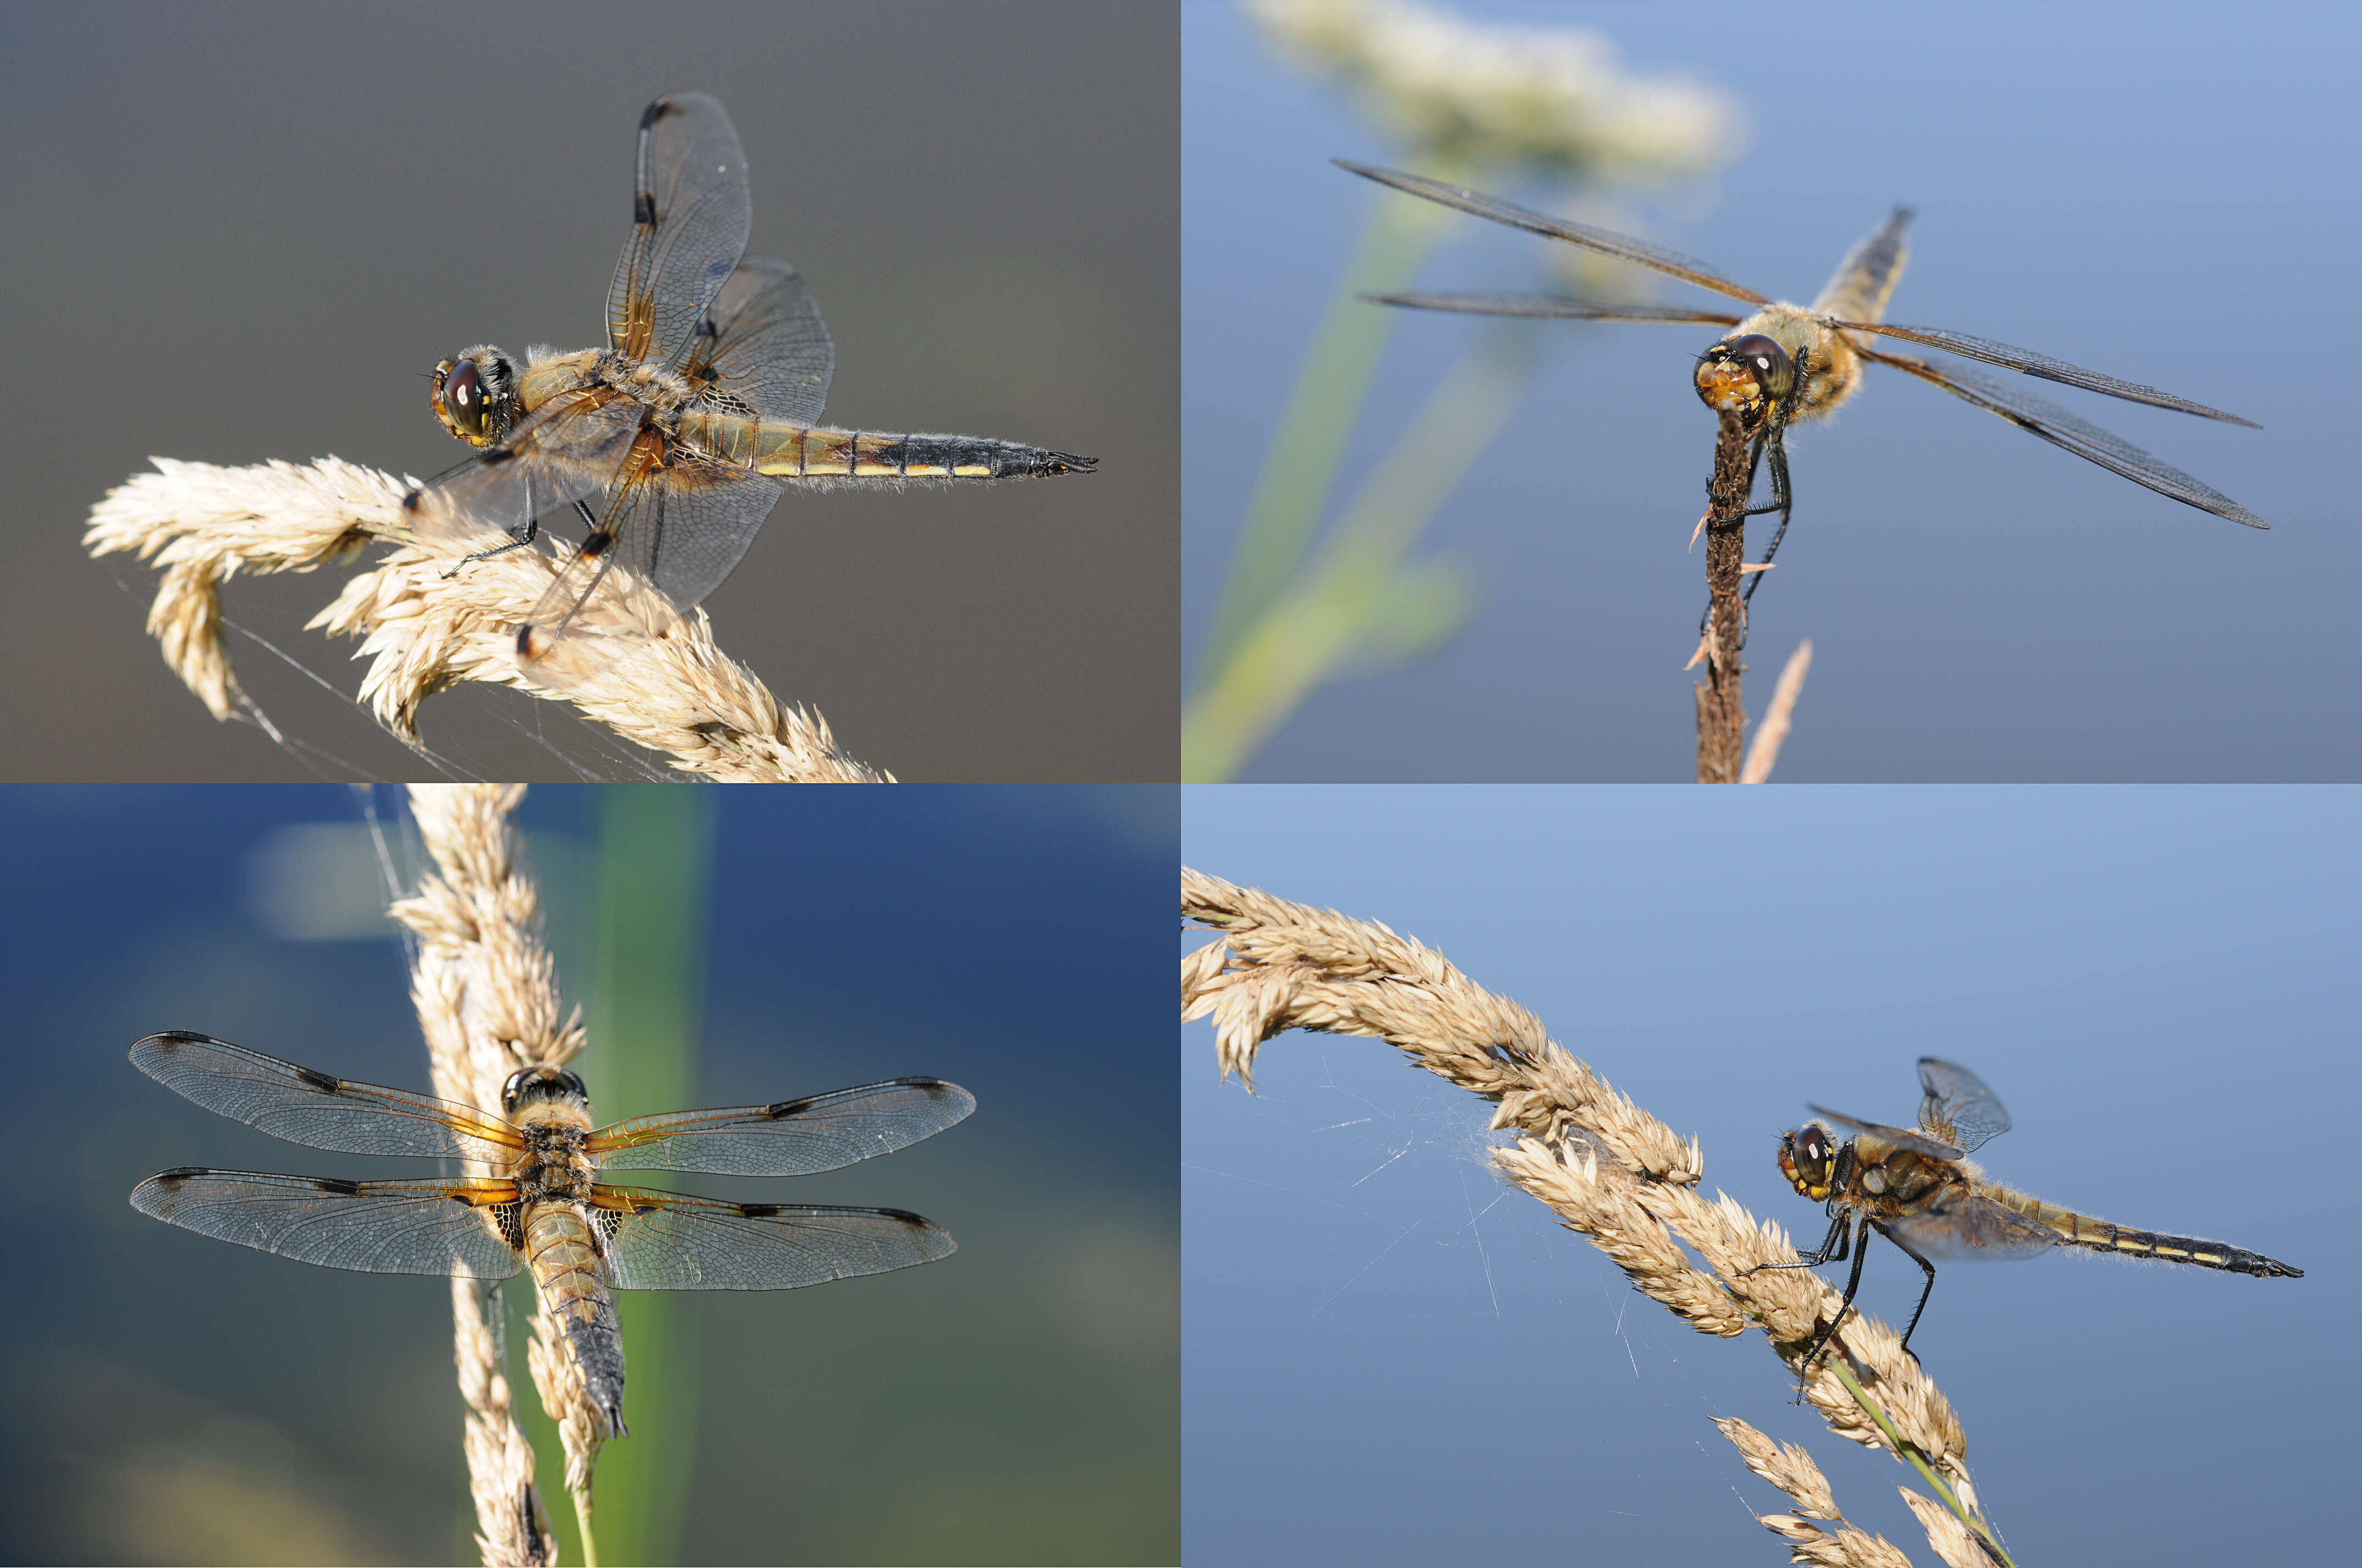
[1832, 370]
[554, 1166]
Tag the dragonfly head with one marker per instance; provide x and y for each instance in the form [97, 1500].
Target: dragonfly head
[1808, 1160]
[1741, 375]
[475, 395]
[543, 1080]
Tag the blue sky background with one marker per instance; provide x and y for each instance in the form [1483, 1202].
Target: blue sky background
[2159, 192]
[171, 1398]
[1391, 1358]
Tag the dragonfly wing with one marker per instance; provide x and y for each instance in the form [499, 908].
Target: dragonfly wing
[313, 1108]
[689, 216]
[1865, 279]
[2048, 368]
[1555, 306]
[451, 1227]
[666, 1240]
[1958, 1109]
[1960, 1225]
[2086, 440]
[681, 527]
[1623, 246]
[795, 1137]
[566, 450]
[1913, 1142]
[765, 346]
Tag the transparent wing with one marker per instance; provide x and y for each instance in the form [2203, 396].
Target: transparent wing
[1557, 306]
[1958, 1109]
[681, 527]
[2048, 368]
[564, 451]
[375, 1227]
[666, 1241]
[2086, 440]
[795, 1137]
[313, 1108]
[1913, 1142]
[764, 345]
[1623, 246]
[1966, 1227]
[689, 216]
[1865, 279]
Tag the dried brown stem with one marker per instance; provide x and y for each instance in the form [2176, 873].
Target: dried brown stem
[486, 991]
[630, 660]
[1608, 1168]
[1721, 717]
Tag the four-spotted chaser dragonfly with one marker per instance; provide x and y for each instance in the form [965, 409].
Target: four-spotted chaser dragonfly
[542, 1208]
[1788, 363]
[703, 407]
[1919, 1191]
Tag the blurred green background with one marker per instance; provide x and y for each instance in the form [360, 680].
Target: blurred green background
[171, 1398]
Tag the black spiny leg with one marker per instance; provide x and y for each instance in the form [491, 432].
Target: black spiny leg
[1833, 1249]
[518, 542]
[1782, 502]
[1930, 1290]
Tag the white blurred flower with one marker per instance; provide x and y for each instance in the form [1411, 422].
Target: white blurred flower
[1557, 97]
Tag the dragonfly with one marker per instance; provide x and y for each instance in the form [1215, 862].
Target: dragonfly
[540, 1206]
[1920, 1191]
[688, 426]
[1786, 364]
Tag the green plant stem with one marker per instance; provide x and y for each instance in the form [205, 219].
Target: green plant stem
[652, 876]
[1917, 1459]
[1355, 593]
[1301, 464]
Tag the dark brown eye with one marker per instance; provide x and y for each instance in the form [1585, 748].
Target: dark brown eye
[463, 397]
[1766, 357]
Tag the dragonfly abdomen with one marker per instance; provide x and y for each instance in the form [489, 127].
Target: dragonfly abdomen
[568, 1267]
[2102, 1236]
[792, 452]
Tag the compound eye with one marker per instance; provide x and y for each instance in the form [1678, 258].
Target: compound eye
[463, 400]
[1766, 357]
[509, 1089]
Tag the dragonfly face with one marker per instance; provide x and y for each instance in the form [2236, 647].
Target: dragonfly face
[1826, 345]
[673, 443]
[543, 1206]
[1920, 1190]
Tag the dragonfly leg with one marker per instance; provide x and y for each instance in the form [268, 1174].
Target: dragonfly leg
[519, 541]
[1924, 1294]
[1782, 502]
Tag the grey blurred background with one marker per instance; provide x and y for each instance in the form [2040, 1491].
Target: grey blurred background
[2162, 192]
[245, 233]
[169, 1399]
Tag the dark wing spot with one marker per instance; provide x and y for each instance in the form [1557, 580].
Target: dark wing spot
[339, 1186]
[790, 1107]
[759, 1211]
[319, 1080]
[905, 1216]
[179, 1174]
